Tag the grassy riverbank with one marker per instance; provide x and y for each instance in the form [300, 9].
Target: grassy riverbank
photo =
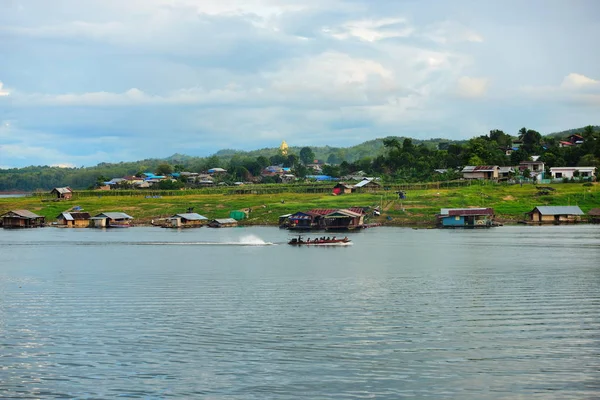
[418, 209]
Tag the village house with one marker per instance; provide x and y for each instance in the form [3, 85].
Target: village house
[217, 171]
[367, 185]
[536, 169]
[186, 220]
[570, 172]
[465, 218]
[73, 219]
[223, 223]
[554, 214]
[481, 172]
[505, 173]
[342, 188]
[575, 139]
[22, 219]
[111, 220]
[355, 176]
[62, 193]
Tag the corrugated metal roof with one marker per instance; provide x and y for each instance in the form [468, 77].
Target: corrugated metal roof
[63, 190]
[190, 216]
[485, 168]
[345, 212]
[470, 211]
[365, 182]
[114, 215]
[25, 214]
[466, 211]
[66, 216]
[559, 210]
[225, 221]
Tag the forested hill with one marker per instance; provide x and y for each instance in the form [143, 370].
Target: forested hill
[396, 158]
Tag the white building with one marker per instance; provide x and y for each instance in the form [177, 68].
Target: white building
[569, 172]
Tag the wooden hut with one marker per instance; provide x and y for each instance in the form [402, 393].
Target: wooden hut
[554, 214]
[62, 193]
[111, 220]
[223, 223]
[74, 219]
[186, 220]
[342, 188]
[594, 215]
[367, 185]
[465, 218]
[22, 219]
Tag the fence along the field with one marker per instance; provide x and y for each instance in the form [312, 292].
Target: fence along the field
[251, 189]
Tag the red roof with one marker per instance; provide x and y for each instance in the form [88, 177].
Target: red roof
[459, 212]
[484, 168]
[326, 211]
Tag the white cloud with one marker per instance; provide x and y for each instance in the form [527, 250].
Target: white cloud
[371, 30]
[472, 87]
[578, 81]
[3, 92]
[63, 165]
[451, 32]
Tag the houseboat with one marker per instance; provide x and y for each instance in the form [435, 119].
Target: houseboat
[111, 220]
[554, 215]
[73, 219]
[22, 219]
[223, 223]
[185, 220]
[466, 218]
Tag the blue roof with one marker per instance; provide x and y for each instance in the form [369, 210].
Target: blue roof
[322, 177]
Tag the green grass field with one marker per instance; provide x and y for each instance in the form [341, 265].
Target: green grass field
[510, 202]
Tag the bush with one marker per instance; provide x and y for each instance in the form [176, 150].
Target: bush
[587, 184]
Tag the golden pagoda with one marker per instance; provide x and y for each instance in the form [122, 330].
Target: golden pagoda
[283, 149]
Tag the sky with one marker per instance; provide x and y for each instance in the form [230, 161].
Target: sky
[84, 82]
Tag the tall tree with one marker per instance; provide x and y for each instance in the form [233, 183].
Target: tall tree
[307, 155]
[164, 169]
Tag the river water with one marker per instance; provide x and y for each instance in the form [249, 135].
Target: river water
[505, 313]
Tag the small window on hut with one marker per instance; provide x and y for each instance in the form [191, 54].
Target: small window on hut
[457, 218]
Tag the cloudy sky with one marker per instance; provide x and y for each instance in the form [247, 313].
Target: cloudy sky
[89, 81]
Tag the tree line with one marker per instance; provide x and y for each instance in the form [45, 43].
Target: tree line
[397, 159]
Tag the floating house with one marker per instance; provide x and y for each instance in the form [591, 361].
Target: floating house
[284, 221]
[223, 223]
[304, 220]
[111, 220]
[465, 218]
[186, 220]
[74, 219]
[22, 219]
[594, 215]
[344, 219]
[62, 193]
[554, 214]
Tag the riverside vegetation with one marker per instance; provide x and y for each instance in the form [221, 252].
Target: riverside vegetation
[419, 207]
